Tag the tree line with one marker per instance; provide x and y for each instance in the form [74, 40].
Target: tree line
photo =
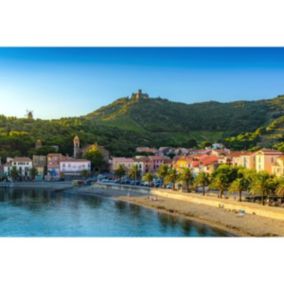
[225, 179]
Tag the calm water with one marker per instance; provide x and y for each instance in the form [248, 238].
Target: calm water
[39, 213]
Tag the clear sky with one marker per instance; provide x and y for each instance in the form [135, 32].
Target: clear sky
[56, 82]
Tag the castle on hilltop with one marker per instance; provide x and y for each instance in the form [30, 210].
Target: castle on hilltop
[139, 95]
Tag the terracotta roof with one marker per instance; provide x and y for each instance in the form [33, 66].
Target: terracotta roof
[158, 158]
[74, 160]
[270, 151]
[209, 160]
[22, 159]
[122, 159]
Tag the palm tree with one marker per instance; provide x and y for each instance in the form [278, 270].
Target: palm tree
[14, 173]
[33, 173]
[242, 182]
[172, 177]
[260, 185]
[280, 187]
[203, 180]
[163, 172]
[239, 185]
[134, 172]
[186, 177]
[222, 177]
[148, 177]
[120, 171]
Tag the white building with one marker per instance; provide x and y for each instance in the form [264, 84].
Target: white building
[22, 164]
[74, 167]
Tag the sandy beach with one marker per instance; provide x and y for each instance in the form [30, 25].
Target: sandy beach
[223, 219]
[220, 218]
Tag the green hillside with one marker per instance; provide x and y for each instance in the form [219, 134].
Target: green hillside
[160, 115]
[130, 122]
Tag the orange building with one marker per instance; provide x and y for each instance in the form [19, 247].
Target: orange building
[278, 167]
[265, 159]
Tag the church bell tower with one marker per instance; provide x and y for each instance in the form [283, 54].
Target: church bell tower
[76, 143]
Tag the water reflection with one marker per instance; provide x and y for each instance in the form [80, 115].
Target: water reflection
[120, 206]
[135, 210]
[93, 202]
[43, 213]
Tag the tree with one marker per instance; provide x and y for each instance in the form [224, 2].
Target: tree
[33, 173]
[186, 177]
[191, 143]
[205, 144]
[241, 183]
[261, 185]
[203, 180]
[222, 177]
[280, 187]
[120, 171]
[134, 172]
[85, 173]
[96, 157]
[148, 177]
[14, 173]
[172, 177]
[163, 172]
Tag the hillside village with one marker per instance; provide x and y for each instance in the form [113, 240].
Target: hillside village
[57, 166]
[204, 160]
[54, 166]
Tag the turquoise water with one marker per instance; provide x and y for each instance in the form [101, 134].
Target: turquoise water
[38, 213]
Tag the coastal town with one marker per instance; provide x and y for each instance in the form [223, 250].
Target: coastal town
[166, 167]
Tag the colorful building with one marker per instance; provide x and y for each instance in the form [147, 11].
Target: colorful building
[278, 167]
[74, 167]
[22, 164]
[40, 164]
[53, 165]
[127, 163]
[265, 159]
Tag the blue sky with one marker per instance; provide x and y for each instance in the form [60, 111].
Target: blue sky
[56, 82]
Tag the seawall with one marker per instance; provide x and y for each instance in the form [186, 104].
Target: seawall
[249, 208]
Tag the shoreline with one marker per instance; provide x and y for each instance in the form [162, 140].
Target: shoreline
[188, 206]
[51, 186]
[234, 232]
[227, 220]
[130, 199]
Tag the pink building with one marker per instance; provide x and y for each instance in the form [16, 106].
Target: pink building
[74, 167]
[53, 164]
[154, 162]
[127, 163]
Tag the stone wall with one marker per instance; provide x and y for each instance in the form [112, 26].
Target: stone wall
[250, 208]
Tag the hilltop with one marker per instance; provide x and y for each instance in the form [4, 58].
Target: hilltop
[141, 120]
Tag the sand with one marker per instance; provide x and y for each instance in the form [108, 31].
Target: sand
[247, 225]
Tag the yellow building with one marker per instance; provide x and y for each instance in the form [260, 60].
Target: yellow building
[265, 159]
[181, 163]
[246, 160]
[278, 167]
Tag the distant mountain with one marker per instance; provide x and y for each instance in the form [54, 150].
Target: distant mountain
[140, 120]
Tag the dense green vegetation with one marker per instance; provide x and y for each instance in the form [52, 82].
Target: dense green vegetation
[225, 179]
[128, 123]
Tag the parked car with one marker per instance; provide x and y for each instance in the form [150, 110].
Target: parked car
[169, 186]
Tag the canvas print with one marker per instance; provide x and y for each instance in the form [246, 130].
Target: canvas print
[141, 142]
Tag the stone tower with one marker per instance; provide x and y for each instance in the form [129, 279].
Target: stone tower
[76, 151]
[139, 95]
